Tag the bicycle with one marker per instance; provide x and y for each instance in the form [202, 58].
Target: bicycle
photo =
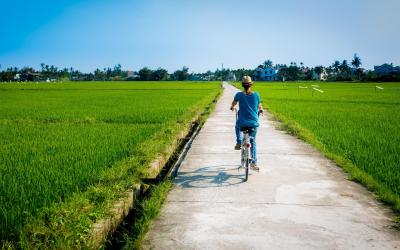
[245, 149]
[246, 155]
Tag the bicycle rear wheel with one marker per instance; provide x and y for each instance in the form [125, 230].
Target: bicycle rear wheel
[242, 160]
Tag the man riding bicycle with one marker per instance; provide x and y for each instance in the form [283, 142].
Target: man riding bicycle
[249, 109]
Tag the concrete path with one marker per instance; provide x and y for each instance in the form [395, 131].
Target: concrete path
[298, 200]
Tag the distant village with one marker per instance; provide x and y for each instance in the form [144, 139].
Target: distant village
[272, 73]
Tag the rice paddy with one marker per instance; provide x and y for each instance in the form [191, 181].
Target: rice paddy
[60, 139]
[352, 122]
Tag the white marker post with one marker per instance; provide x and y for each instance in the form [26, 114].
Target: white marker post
[300, 87]
[319, 90]
[378, 87]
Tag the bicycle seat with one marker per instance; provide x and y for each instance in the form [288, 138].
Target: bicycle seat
[247, 129]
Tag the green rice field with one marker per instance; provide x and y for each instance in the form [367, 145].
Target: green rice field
[356, 124]
[62, 139]
[68, 149]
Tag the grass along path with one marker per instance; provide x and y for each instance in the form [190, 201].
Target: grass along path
[355, 124]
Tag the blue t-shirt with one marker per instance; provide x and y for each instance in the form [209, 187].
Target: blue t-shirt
[248, 109]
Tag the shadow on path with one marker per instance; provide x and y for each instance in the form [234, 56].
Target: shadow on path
[211, 176]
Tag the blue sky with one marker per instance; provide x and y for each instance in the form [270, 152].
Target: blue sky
[200, 34]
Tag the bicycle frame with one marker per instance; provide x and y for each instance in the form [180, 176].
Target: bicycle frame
[245, 156]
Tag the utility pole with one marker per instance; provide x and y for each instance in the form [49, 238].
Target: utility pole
[222, 70]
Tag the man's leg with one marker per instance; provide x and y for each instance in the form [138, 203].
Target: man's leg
[238, 135]
[238, 138]
[253, 145]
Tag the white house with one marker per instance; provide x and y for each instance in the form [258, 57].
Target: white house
[320, 77]
[267, 74]
[231, 76]
[386, 69]
[131, 74]
[324, 75]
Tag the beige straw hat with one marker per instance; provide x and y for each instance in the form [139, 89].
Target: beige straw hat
[247, 80]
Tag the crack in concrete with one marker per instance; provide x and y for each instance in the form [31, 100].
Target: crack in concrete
[264, 203]
[258, 153]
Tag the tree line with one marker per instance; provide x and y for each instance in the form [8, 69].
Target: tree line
[53, 73]
[339, 71]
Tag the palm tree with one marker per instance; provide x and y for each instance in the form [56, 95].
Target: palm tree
[318, 70]
[42, 66]
[344, 70]
[335, 66]
[356, 62]
[344, 66]
[268, 63]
